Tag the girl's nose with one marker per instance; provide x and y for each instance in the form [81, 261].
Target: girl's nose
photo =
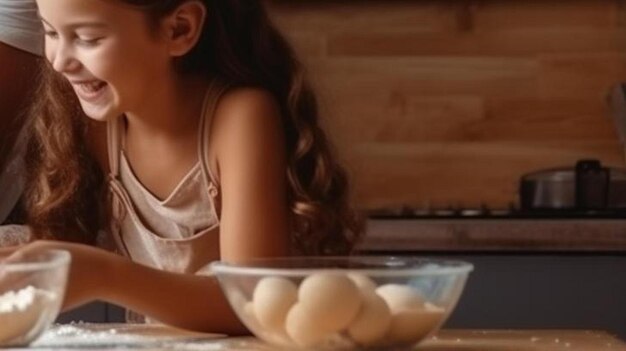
[63, 60]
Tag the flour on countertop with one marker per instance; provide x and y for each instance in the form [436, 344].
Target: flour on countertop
[117, 335]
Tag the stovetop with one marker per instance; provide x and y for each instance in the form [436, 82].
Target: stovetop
[485, 229]
[485, 212]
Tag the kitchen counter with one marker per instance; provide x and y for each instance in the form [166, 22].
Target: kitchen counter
[130, 337]
[501, 235]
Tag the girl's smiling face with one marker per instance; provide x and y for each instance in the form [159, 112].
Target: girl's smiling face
[107, 52]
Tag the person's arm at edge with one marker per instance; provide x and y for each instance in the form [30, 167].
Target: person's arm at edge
[18, 71]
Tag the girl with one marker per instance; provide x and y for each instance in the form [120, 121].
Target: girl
[214, 152]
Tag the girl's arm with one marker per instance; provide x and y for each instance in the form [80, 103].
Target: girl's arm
[187, 301]
[183, 300]
[248, 140]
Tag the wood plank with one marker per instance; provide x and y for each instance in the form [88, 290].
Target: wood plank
[348, 15]
[444, 68]
[399, 117]
[307, 45]
[590, 75]
[369, 77]
[536, 119]
[522, 42]
[497, 15]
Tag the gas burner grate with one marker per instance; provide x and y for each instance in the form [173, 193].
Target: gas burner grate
[484, 212]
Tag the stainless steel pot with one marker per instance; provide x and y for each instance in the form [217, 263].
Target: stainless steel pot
[587, 186]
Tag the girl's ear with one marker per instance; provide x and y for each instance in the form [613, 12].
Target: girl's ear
[183, 27]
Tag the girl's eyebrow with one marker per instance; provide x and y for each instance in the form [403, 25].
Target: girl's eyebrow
[77, 24]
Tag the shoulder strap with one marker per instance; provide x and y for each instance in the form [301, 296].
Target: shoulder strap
[113, 144]
[214, 93]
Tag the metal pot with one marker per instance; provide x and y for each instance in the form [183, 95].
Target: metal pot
[587, 186]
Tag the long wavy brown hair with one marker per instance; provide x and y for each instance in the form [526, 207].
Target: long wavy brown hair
[240, 46]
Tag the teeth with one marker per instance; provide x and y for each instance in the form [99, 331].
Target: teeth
[91, 87]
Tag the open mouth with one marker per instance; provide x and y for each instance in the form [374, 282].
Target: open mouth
[90, 90]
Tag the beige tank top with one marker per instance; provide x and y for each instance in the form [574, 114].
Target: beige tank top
[180, 233]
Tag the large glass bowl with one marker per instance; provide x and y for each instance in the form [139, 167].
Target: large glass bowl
[346, 302]
[31, 293]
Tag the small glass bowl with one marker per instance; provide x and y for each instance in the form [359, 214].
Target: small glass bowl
[32, 287]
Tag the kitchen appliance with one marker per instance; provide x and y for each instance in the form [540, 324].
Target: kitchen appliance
[586, 187]
[557, 212]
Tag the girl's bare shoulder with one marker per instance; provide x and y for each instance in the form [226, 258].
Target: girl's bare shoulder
[246, 113]
[246, 103]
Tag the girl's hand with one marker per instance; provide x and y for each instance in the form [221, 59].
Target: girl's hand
[88, 268]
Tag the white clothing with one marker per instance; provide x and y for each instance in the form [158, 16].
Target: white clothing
[20, 26]
[179, 234]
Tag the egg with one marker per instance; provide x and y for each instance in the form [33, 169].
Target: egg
[249, 316]
[400, 297]
[372, 322]
[302, 328]
[238, 300]
[332, 299]
[410, 326]
[363, 282]
[272, 299]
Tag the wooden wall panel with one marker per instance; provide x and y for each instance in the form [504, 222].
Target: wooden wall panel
[447, 103]
[524, 41]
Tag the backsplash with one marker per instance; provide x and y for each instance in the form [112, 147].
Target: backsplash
[438, 103]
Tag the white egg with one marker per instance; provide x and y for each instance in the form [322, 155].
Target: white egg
[249, 316]
[432, 307]
[400, 297]
[410, 326]
[272, 299]
[303, 328]
[250, 320]
[332, 299]
[363, 282]
[279, 338]
[372, 322]
[238, 300]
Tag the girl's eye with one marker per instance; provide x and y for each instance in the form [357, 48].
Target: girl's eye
[51, 34]
[88, 41]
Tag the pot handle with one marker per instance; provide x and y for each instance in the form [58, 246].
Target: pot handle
[592, 185]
